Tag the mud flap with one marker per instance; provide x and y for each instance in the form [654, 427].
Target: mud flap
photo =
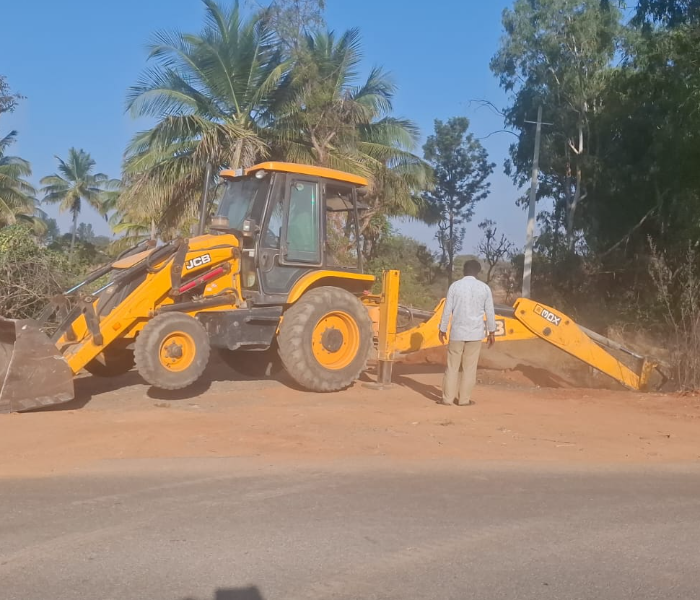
[32, 371]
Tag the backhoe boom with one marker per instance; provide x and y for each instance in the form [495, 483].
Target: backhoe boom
[526, 320]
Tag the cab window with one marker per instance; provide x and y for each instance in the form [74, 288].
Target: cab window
[341, 248]
[302, 240]
[239, 199]
[275, 223]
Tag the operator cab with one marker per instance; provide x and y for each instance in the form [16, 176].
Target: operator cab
[291, 220]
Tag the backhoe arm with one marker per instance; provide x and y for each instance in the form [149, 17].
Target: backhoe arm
[425, 335]
[525, 321]
[559, 330]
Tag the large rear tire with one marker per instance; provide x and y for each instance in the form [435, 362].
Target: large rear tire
[172, 351]
[325, 339]
[111, 363]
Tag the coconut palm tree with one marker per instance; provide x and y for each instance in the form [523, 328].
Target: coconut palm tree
[323, 110]
[76, 184]
[210, 94]
[131, 233]
[329, 118]
[16, 194]
[228, 97]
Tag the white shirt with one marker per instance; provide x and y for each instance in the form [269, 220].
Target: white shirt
[467, 301]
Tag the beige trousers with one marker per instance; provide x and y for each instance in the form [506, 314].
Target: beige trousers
[456, 384]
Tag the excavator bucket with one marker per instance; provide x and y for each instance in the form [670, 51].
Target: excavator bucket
[32, 371]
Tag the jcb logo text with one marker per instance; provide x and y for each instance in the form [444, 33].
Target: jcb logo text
[198, 262]
[500, 328]
[547, 315]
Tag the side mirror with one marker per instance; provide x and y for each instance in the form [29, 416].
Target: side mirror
[249, 228]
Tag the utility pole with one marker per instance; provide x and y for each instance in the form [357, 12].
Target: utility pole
[530, 234]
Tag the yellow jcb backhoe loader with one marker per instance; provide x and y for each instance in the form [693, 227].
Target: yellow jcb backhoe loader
[279, 273]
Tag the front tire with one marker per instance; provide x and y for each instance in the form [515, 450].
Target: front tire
[325, 339]
[172, 351]
[111, 362]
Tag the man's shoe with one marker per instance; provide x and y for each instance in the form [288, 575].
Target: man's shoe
[443, 403]
[466, 403]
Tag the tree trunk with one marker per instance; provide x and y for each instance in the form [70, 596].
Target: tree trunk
[567, 201]
[558, 222]
[153, 230]
[577, 194]
[572, 212]
[451, 251]
[365, 248]
[492, 266]
[72, 239]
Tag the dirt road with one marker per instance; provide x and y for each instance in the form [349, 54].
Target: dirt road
[513, 419]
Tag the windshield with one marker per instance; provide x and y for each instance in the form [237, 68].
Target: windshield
[238, 200]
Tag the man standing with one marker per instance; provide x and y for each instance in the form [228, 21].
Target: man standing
[467, 301]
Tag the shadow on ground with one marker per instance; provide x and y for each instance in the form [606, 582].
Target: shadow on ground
[249, 593]
[89, 386]
[403, 372]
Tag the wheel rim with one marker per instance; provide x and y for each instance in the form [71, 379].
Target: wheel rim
[177, 351]
[335, 340]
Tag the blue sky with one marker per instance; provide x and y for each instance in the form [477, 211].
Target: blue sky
[74, 61]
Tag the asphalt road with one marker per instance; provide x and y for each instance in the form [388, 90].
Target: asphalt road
[224, 530]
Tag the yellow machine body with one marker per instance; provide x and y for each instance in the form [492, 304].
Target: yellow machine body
[204, 253]
[265, 279]
[230, 289]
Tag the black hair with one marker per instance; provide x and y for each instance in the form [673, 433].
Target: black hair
[472, 267]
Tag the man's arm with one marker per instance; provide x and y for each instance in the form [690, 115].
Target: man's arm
[490, 316]
[490, 311]
[446, 314]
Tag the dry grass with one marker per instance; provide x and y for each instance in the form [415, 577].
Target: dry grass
[27, 284]
[678, 294]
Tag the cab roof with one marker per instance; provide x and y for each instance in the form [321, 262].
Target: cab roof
[286, 167]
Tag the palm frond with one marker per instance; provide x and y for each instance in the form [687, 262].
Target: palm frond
[76, 183]
[208, 92]
[7, 141]
[16, 193]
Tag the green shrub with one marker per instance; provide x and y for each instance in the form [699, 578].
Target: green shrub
[421, 287]
[29, 274]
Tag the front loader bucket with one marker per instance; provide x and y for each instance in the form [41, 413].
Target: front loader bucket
[32, 370]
